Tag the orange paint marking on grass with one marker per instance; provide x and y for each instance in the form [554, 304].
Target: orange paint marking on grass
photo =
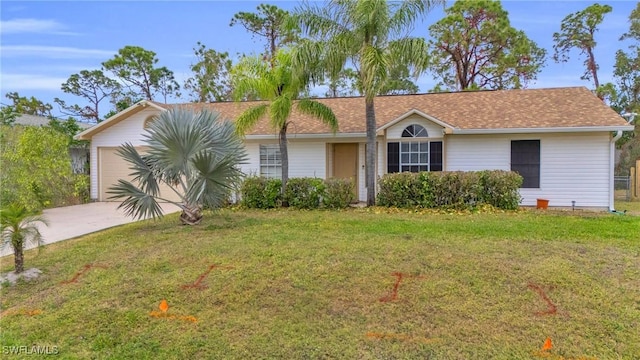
[547, 346]
[85, 268]
[198, 283]
[24, 312]
[552, 309]
[401, 337]
[394, 291]
[164, 307]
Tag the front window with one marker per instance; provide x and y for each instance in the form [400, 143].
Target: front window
[270, 161]
[415, 153]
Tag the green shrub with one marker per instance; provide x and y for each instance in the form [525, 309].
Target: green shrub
[338, 193]
[261, 193]
[400, 190]
[36, 167]
[304, 193]
[500, 188]
[451, 189]
[81, 188]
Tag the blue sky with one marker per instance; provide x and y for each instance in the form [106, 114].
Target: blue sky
[43, 42]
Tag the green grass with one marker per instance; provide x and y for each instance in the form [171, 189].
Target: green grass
[308, 284]
[631, 207]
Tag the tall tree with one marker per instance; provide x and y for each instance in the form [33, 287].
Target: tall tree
[371, 34]
[91, 85]
[279, 84]
[399, 82]
[210, 81]
[196, 154]
[136, 68]
[342, 84]
[475, 46]
[627, 76]
[29, 106]
[267, 23]
[577, 31]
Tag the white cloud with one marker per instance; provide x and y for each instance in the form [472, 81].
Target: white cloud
[18, 26]
[15, 82]
[53, 52]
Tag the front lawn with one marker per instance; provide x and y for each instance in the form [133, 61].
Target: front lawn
[355, 284]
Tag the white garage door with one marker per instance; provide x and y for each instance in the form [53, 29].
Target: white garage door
[113, 167]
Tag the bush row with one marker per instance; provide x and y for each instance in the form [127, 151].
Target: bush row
[301, 193]
[451, 189]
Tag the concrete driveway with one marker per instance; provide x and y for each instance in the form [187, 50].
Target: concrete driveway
[72, 221]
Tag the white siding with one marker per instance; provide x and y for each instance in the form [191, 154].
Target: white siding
[128, 130]
[434, 130]
[573, 167]
[306, 158]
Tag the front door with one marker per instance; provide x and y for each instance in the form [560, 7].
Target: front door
[345, 163]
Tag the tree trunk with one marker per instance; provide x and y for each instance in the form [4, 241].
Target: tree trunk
[284, 157]
[18, 258]
[593, 68]
[370, 155]
[191, 215]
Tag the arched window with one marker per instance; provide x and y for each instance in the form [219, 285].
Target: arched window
[415, 153]
[415, 130]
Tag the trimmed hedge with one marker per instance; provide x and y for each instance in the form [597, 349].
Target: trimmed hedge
[451, 189]
[338, 193]
[261, 193]
[301, 193]
[304, 193]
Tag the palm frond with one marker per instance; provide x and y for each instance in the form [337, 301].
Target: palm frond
[141, 167]
[279, 111]
[137, 203]
[19, 226]
[214, 184]
[411, 52]
[319, 111]
[249, 118]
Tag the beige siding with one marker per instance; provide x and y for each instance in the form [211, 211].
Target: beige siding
[113, 168]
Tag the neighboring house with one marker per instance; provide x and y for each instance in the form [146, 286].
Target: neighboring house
[79, 154]
[560, 140]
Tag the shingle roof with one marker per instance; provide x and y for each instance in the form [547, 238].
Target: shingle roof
[500, 109]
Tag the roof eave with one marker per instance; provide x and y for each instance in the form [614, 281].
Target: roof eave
[306, 136]
[541, 130]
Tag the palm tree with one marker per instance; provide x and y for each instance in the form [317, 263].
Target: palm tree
[278, 84]
[371, 35]
[19, 227]
[195, 154]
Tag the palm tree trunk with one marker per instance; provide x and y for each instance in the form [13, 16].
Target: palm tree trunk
[18, 258]
[284, 157]
[370, 155]
[191, 215]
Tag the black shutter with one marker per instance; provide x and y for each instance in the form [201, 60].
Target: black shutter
[435, 156]
[525, 160]
[393, 157]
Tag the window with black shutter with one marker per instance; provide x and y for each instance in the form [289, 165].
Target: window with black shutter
[416, 153]
[393, 157]
[525, 160]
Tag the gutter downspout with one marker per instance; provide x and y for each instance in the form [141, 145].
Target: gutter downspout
[612, 161]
